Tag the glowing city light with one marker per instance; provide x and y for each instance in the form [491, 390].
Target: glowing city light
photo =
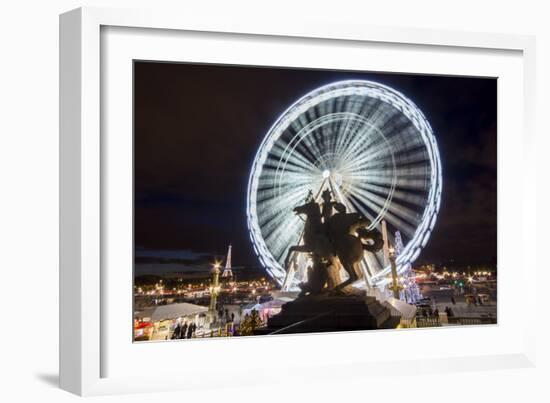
[367, 143]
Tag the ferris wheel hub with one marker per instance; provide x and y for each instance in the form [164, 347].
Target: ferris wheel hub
[326, 174]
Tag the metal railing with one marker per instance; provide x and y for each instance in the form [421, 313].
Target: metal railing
[472, 321]
[427, 322]
[302, 322]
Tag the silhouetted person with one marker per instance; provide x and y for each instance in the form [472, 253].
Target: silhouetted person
[183, 331]
[177, 330]
[190, 330]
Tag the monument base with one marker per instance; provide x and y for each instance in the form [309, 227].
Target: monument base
[330, 313]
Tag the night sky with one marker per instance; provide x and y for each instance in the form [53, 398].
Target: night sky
[197, 128]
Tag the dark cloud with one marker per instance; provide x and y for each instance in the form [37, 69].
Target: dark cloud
[197, 128]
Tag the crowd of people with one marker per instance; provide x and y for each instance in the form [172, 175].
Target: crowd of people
[184, 330]
[225, 316]
[428, 313]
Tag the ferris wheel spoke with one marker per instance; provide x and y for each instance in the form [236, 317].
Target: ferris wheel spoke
[405, 176]
[357, 206]
[383, 164]
[382, 190]
[401, 156]
[404, 214]
[280, 202]
[363, 139]
[275, 195]
[414, 181]
[381, 149]
[284, 179]
[296, 159]
[315, 142]
[365, 200]
[271, 223]
[409, 197]
[301, 150]
[291, 175]
[346, 125]
[397, 222]
[346, 133]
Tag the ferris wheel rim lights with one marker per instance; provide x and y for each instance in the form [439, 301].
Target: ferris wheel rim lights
[365, 88]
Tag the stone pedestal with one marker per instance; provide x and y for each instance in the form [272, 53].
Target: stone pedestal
[328, 313]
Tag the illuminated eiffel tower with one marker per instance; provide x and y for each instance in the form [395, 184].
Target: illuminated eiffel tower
[227, 270]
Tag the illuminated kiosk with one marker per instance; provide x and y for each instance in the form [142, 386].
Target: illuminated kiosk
[367, 143]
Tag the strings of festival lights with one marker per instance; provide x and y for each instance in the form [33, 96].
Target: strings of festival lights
[368, 144]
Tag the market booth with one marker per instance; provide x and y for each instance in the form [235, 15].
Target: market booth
[160, 320]
[267, 309]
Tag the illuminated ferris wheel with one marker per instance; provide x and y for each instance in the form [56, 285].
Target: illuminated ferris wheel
[371, 147]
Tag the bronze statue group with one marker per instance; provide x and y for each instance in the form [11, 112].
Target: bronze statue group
[333, 238]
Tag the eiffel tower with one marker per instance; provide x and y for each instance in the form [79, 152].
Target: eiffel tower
[227, 270]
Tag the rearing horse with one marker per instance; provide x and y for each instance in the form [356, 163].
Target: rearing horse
[315, 238]
[334, 238]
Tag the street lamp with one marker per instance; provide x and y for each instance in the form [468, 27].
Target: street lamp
[395, 285]
[214, 290]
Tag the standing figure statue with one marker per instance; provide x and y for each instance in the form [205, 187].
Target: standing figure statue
[328, 205]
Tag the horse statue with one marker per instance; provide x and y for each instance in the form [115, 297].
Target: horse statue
[327, 237]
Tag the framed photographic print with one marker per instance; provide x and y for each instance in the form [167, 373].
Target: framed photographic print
[281, 188]
[332, 221]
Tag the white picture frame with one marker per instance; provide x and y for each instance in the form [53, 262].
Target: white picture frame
[84, 300]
